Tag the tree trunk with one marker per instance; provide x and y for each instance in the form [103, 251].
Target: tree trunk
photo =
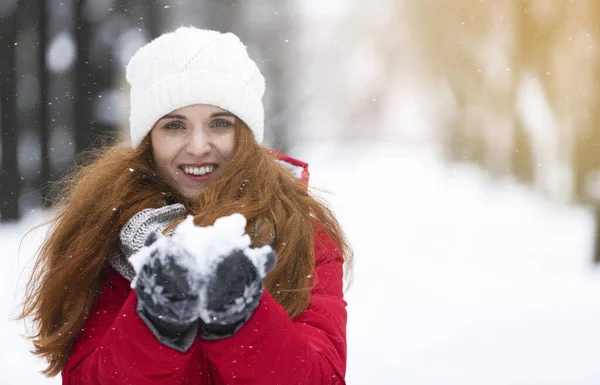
[43, 111]
[92, 78]
[83, 106]
[9, 177]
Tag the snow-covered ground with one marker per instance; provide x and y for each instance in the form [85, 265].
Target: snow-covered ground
[458, 279]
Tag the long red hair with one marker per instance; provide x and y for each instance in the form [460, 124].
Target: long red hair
[116, 182]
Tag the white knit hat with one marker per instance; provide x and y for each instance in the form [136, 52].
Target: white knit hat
[193, 66]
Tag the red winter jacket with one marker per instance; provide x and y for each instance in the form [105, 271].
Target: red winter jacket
[116, 347]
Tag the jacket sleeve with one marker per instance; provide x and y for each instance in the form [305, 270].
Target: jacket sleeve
[116, 347]
[273, 349]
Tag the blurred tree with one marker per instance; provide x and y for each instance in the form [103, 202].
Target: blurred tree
[43, 119]
[95, 34]
[269, 45]
[9, 177]
[586, 154]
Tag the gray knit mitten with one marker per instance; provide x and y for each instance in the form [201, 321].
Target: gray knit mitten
[167, 291]
[176, 331]
[231, 291]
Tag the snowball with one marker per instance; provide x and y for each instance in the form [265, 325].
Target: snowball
[199, 249]
[211, 243]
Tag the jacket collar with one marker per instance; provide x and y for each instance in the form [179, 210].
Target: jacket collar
[298, 168]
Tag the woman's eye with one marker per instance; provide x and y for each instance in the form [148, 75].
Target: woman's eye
[222, 123]
[173, 126]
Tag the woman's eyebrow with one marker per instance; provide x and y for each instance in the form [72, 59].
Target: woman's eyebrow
[170, 116]
[181, 117]
[223, 113]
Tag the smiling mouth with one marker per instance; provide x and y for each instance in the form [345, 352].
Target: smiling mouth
[199, 171]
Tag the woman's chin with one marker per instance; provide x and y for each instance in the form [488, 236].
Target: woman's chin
[191, 195]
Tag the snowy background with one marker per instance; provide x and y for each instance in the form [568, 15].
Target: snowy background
[456, 141]
[459, 279]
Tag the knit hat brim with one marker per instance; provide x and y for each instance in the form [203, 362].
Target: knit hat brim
[196, 87]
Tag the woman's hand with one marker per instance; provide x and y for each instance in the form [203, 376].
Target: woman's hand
[232, 291]
[164, 300]
[168, 292]
[207, 273]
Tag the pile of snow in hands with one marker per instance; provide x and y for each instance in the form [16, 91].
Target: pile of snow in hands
[208, 245]
[201, 249]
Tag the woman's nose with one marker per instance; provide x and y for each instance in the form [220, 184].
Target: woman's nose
[199, 143]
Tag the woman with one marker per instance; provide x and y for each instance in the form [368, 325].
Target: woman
[196, 121]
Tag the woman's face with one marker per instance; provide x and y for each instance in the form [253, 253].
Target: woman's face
[191, 145]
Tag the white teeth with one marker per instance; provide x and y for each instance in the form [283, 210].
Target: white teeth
[199, 170]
